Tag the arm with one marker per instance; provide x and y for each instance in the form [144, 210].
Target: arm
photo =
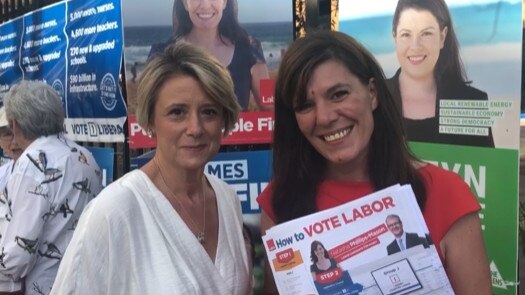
[21, 238]
[86, 259]
[259, 71]
[269, 287]
[466, 261]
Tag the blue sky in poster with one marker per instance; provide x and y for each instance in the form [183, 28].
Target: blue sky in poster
[381, 7]
[158, 12]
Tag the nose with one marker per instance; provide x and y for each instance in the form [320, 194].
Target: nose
[204, 2]
[194, 125]
[326, 113]
[415, 42]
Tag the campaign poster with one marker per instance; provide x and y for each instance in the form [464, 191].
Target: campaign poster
[252, 59]
[470, 128]
[105, 158]
[75, 47]
[10, 44]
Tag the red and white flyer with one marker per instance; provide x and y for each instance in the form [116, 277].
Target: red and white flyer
[378, 244]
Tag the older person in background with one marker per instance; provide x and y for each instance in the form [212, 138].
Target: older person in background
[51, 183]
[167, 228]
[10, 149]
[11, 152]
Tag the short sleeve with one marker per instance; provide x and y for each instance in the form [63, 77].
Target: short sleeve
[448, 199]
[265, 202]
[256, 50]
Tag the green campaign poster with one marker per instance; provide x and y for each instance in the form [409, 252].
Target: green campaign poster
[455, 68]
[491, 174]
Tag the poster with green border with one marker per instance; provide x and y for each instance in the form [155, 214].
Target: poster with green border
[473, 132]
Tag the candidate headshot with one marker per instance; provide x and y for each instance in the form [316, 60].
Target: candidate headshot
[403, 240]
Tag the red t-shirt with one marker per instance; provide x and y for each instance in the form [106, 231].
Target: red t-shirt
[448, 198]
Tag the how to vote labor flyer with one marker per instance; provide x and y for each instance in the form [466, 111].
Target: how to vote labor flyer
[378, 244]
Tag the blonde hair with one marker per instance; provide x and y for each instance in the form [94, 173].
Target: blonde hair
[184, 59]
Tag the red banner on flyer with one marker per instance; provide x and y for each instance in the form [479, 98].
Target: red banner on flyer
[251, 128]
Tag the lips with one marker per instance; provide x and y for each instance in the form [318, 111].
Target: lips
[337, 135]
[194, 147]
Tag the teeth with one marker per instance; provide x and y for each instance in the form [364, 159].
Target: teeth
[337, 135]
[205, 15]
[416, 58]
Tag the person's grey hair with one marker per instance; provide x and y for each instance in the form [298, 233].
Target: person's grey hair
[179, 60]
[391, 216]
[36, 107]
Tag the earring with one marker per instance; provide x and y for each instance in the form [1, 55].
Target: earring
[150, 133]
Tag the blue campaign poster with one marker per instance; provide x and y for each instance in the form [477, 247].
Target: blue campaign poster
[76, 47]
[248, 173]
[104, 158]
[10, 44]
[95, 107]
[44, 46]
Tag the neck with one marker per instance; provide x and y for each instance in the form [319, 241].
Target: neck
[417, 84]
[181, 183]
[355, 171]
[23, 142]
[206, 39]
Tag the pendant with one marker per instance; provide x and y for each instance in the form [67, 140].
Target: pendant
[200, 237]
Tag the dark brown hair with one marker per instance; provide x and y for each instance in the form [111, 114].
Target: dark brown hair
[297, 167]
[449, 67]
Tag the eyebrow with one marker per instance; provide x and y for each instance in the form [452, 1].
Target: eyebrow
[336, 87]
[424, 29]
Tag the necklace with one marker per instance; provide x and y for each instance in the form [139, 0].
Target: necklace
[199, 234]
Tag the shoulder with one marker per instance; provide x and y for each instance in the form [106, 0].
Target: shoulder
[265, 201]
[433, 174]
[224, 193]
[220, 186]
[448, 199]
[465, 92]
[119, 197]
[253, 48]
[393, 83]
[435, 178]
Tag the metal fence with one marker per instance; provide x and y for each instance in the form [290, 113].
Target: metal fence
[12, 8]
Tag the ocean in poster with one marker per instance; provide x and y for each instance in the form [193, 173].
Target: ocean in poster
[489, 37]
[274, 38]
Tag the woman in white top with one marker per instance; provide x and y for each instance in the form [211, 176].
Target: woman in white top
[167, 228]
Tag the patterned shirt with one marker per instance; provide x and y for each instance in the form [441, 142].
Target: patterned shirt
[50, 185]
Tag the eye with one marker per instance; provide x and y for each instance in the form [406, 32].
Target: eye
[339, 94]
[211, 112]
[176, 112]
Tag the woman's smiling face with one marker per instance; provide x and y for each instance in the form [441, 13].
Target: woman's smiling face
[418, 41]
[336, 116]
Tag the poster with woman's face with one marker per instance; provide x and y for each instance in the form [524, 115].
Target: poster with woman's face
[461, 118]
[248, 37]
[488, 34]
